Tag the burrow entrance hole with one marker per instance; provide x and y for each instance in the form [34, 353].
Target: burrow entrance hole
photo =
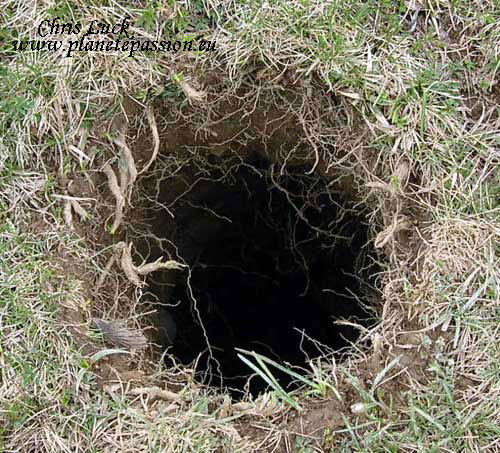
[276, 256]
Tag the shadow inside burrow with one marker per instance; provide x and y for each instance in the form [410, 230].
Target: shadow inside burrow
[274, 259]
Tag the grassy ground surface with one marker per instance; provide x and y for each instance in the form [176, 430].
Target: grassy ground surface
[414, 89]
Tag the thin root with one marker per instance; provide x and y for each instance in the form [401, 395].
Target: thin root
[128, 266]
[129, 160]
[388, 233]
[68, 215]
[156, 137]
[155, 393]
[157, 265]
[191, 93]
[120, 200]
[78, 208]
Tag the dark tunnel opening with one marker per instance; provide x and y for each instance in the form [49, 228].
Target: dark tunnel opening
[274, 260]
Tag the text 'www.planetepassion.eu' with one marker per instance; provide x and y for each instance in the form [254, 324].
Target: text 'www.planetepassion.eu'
[103, 37]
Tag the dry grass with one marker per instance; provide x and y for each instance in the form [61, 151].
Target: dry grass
[418, 84]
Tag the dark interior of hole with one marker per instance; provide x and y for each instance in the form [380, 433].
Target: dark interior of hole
[265, 270]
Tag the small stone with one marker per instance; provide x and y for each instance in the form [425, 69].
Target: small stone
[358, 408]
